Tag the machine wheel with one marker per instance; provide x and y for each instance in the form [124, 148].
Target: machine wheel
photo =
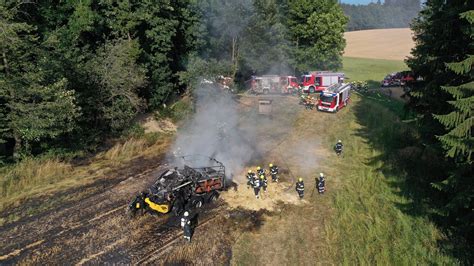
[311, 89]
[198, 202]
[214, 197]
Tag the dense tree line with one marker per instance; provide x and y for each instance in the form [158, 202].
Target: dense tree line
[73, 73]
[391, 14]
[444, 101]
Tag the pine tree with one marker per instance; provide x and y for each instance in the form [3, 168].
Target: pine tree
[34, 105]
[459, 141]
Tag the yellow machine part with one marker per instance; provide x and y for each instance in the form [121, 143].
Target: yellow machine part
[164, 208]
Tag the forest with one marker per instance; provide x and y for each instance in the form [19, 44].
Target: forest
[74, 73]
[390, 14]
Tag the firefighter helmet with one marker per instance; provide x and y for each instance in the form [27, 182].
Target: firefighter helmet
[186, 214]
[300, 179]
[262, 176]
[270, 165]
[321, 174]
[250, 171]
[258, 168]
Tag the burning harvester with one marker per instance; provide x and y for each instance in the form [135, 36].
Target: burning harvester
[178, 189]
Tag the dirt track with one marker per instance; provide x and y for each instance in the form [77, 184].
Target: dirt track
[94, 229]
[393, 44]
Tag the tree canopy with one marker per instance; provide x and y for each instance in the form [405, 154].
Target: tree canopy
[76, 72]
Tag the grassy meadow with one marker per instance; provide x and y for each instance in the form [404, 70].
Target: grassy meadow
[367, 216]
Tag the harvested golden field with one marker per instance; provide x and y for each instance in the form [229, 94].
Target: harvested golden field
[392, 44]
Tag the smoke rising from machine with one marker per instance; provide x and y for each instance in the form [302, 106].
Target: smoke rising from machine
[214, 131]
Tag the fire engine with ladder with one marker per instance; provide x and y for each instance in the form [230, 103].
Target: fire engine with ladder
[334, 97]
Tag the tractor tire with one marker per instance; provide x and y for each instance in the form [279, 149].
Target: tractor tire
[197, 203]
[311, 89]
[213, 197]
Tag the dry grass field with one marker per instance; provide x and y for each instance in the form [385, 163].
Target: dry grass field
[392, 44]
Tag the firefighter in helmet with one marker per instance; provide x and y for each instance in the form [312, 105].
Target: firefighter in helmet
[250, 177]
[263, 182]
[274, 172]
[302, 99]
[338, 147]
[321, 185]
[256, 184]
[260, 171]
[300, 188]
[186, 225]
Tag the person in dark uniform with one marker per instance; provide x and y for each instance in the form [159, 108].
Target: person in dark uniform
[338, 148]
[186, 225]
[300, 188]
[260, 171]
[250, 177]
[263, 182]
[321, 184]
[256, 184]
[274, 172]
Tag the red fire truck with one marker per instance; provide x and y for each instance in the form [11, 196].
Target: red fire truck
[273, 84]
[334, 97]
[288, 84]
[320, 80]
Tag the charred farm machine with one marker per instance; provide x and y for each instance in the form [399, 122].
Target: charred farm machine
[334, 97]
[176, 190]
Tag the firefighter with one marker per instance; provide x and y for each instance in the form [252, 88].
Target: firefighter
[338, 148]
[302, 99]
[300, 188]
[321, 184]
[274, 172]
[250, 178]
[263, 182]
[260, 171]
[186, 225]
[256, 184]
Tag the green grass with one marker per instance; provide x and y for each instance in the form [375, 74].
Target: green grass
[375, 219]
[373, 71]
[370, 70]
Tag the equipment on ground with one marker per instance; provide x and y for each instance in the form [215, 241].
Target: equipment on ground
[334, 97]
[317, 81]
[177, 190]
[265, 106]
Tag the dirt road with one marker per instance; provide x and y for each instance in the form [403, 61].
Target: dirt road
[93, 228]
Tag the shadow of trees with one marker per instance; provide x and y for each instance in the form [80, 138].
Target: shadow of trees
[388, 127]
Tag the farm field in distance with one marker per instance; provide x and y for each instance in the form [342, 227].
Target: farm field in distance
[392, 44]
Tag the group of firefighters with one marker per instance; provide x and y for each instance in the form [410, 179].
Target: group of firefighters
[258, 181]
[308, 101]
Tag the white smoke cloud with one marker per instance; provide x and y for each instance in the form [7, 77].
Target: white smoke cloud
[215, 131]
